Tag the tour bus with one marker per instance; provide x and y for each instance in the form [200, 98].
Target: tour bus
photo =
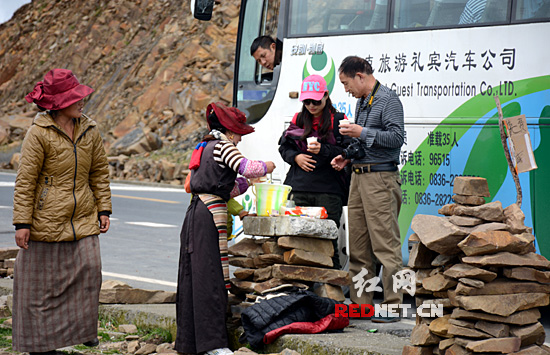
[446, 59]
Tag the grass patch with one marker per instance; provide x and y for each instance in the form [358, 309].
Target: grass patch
[155, 335]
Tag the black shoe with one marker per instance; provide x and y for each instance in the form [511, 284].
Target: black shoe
[92, 343]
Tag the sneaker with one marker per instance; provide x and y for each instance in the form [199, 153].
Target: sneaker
[220, 351]
[385, 319]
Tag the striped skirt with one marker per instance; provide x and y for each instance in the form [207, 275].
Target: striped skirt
[56, 294]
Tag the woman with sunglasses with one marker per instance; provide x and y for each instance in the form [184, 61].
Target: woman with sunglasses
[314, 182]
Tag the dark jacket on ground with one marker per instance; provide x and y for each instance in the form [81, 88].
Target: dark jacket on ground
[274, 313]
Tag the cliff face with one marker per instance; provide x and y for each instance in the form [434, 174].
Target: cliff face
[153, 66]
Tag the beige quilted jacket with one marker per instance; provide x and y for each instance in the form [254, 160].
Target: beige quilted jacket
[61, 185]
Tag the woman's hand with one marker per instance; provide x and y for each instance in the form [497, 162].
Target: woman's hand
[305, 162]
[104, 223]
[22, 237]
[351, 130]
[270, 166]
[314, 147]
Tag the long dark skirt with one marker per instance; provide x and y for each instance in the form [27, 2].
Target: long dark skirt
[201, 300]
[56, 294]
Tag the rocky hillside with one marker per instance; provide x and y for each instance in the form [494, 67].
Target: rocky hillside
[153, 66]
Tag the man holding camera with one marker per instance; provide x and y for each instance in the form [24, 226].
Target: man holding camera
[375, 192]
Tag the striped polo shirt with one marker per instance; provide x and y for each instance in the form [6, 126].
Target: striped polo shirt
[384, 128]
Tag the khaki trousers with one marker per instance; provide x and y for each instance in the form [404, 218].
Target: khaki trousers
[373, 210]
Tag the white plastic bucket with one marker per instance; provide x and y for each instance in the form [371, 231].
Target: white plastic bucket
[270, 197]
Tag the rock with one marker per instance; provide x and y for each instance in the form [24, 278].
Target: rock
[247, 247]
[465, 221]
[438, 234]
[482, 243]
[514, 218]
[8, 253]
[240, 286]
[471, 186]
[420, 257]
[489, 212]
[271, 247]
[471, 282]
[309, 273]
[330, 291]
[456, 330]
[310, 244]
[146, 349]
[165, 348]
[245, 351]
[526, 273]
[520, 318]
[136, 141]
[529, 334]
[133, 346]
[503, 305]
[500, 345]
[487, 227]
[532, 350]
[126, 125]
[443, 260]
[438, 282]
[417, 350]
[262, 274]
[290, 226]
[469, 200]
[243, 274]
[242, 262]
[456, 349]
[421, 335]
[508, 259]
[440, 326]
[302, 257]
[262, 287]
[496, 330]
[135, 296]
[446, 343]
[458, 271]
[127, 328]
[265, 260]
[503, 286]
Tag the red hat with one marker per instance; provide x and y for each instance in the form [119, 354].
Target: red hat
[313, 87]
[60, 89]
[230, 117]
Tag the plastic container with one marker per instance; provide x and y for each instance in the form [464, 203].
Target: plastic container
[270, 198]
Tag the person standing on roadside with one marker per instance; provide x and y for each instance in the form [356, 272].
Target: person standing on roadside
[375, 192]
[313, 180]
[62, 202]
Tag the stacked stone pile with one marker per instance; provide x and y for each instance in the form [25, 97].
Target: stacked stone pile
[7, 261]
[293, 250]
[479, 263]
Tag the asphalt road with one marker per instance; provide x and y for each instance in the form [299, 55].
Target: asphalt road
[142, 245]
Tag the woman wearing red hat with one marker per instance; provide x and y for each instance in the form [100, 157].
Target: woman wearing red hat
[203, 274]
[314, 182]
[62, 202]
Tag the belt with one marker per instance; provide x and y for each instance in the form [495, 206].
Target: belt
[373, 168]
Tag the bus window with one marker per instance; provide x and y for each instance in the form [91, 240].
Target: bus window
[415, 14]
[255, 86]
[532, 10]
[314, 17]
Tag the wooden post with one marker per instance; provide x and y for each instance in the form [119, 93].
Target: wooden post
[503, 137]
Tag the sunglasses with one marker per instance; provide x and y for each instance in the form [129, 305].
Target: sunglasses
[308, 102]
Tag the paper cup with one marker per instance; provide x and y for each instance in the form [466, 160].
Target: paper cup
[311, 140]
[344, 122]
[351, 120]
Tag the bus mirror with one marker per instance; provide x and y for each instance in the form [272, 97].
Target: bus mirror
[202, 9]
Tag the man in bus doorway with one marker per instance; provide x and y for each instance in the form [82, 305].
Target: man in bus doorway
[267, 51]
[375, 191]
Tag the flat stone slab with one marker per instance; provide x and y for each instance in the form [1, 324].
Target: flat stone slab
[503, 305]
[508, 259]
[464, 270]
[290, 226]
[520, 318]
[309, 273]
[528, 274]
[482, 243]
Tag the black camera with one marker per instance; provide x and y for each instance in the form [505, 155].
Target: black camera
[354, 151]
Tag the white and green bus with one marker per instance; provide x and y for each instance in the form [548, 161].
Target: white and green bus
[446, 59]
